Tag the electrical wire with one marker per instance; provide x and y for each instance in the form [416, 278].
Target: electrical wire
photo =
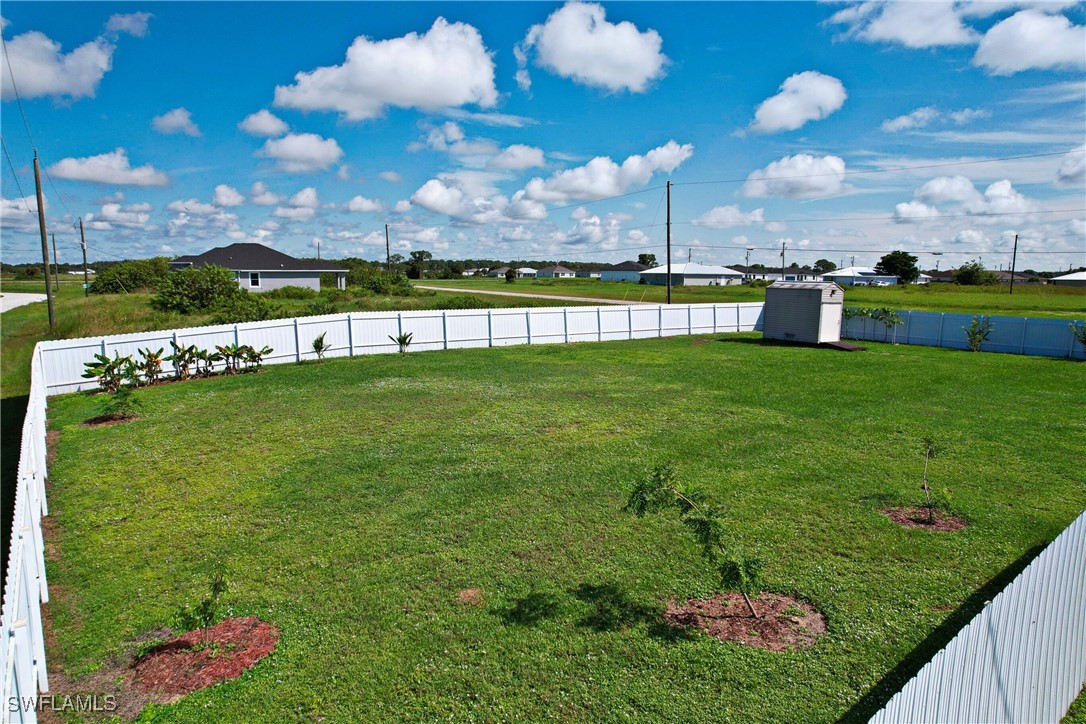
[15, 88]
[18, 185]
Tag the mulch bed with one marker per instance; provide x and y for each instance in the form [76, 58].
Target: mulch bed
[917, 517]
[107, 420]
[185, 664]
[785, 623]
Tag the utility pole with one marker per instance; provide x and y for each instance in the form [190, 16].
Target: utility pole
[44, 245]
[1014, 260]
[749, 250]
[668, 242]
[689, 254]
[56, 265]
[852, 260]
[388, 256]
[783, 247]
[318, 248]
[86, 274]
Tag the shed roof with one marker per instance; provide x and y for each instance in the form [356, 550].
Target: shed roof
[249, 256]
[1079, 276]
[820, 286]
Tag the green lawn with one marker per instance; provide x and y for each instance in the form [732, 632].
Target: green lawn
[1027, 300]
[350, 502]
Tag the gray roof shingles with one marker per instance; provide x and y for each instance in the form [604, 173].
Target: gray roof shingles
[255, 257]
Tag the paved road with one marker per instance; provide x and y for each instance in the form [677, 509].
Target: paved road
[592, 300]
[10, 300]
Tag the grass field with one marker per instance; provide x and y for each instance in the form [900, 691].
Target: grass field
[350, 502]
[1027, 300]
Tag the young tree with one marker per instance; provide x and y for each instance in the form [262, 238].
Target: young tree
[974, 274]
[824, 265]
[647, 259]
[416, 267]
[510, 275]
[901, 264]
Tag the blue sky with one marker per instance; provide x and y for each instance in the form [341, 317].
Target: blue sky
[547, 131]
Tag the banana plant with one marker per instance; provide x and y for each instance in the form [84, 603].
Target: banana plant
[151, 364]
[182, 359]
[254, 357]
[110, 373]
[205, 362]
[231, 355]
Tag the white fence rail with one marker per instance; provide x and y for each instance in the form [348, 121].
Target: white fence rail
[359, 333]
[22, 652]
[1016, 335]
[1022, 659]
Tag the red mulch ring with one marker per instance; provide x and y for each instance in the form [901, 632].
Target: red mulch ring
[917, 517]
[785, 623]
[185, 664]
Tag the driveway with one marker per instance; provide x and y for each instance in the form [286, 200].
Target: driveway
[591, 300]
[10, 300]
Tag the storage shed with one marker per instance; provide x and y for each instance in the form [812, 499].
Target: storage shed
[803, 312]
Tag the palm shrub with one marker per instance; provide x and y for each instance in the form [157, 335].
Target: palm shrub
[978, 331]
[403, 341]
[659, 490]
[320, 347]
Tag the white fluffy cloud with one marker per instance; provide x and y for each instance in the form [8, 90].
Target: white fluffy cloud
[391, 176]
[518, 157]
[306, 199]
[303, 152]
[192, 206]
[912, 210]
[450, 138]
[1072, 171]
[999, 198]
[802, 176]
[468, 197]
[602, 177]
[178, 120]
[362, 204]
[402, 206]
[261, 196]
[291, 213]
[1032, 39]
[912, 24]
[265, 124]
[919, 118]
[41, 69]
[109, 168]
[114, 216]
[227, 196]
[944, 189]
[803, 97]
[447, 66]
[578, 42]
[721, 217]
[17, 214]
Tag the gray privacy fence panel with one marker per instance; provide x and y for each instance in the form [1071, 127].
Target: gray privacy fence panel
[1015, 335]
[1022, 659]
[62, 362]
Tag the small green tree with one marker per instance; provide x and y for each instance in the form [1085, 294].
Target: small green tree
[901, 264]
[196, 289]
[320, 347]
[648, 260]
[978, 331]
[659, 490]
[121, 405]
[403, 340]
[204, 613]
[510, 275]
[1080, 334]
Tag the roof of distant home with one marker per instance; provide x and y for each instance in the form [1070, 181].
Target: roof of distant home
[629, 266]
[1073, 276]
[255, 257]
[695, 268]
[557, 269]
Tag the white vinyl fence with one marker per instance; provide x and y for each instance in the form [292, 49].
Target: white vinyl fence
[1016, 335]
[1022, 659]
[360, 333]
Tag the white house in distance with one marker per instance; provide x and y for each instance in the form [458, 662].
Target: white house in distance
[526, 271]
[556, 271]
[790, 274]
[259, 268]
[499, 272]
[627, 271]
[860, 276]
[1074, 279]
[693, 275]
[588, 274]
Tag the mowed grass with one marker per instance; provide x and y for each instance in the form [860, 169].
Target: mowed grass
[1031, 300]
[351, 502]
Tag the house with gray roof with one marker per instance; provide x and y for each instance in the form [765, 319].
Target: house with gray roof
[259, 268]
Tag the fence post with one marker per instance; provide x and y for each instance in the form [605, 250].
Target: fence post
[660, 321]
[714, 319]
[939, 339]
[528, 322]
[297, 343]
[350, 336]
[489, 328]
[908, 325]
[565, 323]
[444, 331]
[1022, 346]
[689, 319]
[599, 324]
[629, 315]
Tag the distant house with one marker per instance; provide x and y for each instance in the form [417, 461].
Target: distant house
[693, 275]
[1019, 278]
[555, 272]
[526, 271]
[942, 276]
[259, 268]
[471, 272]
[627, 271]
[859, 276]
[499, 272]
[1074, 279]
[588, 274]
[790, 274]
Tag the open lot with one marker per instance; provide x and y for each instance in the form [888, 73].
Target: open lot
[1028, 300]
[351, 504]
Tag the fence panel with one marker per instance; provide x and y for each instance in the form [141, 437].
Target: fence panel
[1023, 658]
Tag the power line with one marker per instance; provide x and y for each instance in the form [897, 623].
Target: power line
[59, 197]
[876, 171]
[964, 215]
[15, 88]
[16, 176]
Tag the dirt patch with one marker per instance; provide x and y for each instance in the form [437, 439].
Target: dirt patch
[186, 664]
[918, 517]
[174, 666]
[698, 341]
[51, 438]
[108, 420]
[785, 623]
[472, 597]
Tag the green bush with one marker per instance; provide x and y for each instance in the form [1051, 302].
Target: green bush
[466, 301]
[27, 273]
[196, 290]
[319, 307]
[245, 307]
[335, 296]
[974, 274]
[130, 276]
[291, 292]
